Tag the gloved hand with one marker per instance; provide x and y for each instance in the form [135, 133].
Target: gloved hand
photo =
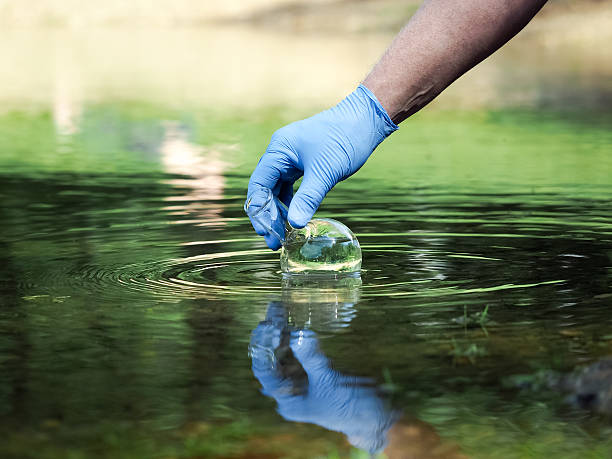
[325, 148]
[338, 402]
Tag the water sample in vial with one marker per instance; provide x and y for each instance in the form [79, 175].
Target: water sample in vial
[324, 245]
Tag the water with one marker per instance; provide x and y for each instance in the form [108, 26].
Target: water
[323, 245]
[140, 316]
[131, 288]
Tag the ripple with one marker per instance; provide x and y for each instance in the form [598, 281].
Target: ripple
[211, 276]
[256, 272]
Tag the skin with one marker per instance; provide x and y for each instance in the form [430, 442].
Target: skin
[442, 41]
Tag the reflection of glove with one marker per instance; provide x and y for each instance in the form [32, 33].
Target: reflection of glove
[337, 402]
[325, 149]
[265, 340]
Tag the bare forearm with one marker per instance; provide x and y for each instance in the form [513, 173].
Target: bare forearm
[442, 41]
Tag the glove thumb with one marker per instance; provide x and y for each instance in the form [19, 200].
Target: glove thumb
[306, 200]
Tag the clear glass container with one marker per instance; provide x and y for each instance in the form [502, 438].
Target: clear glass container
[324, 245]
[323, 302]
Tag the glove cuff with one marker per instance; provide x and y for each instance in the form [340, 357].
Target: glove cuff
[386, 125]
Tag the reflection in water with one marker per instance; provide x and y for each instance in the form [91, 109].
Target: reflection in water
[67, 105]
[203, 171]
[100, 283]
[327, 304]
[291, 368]
[289, 364]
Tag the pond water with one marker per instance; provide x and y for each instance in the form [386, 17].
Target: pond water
[141, 316]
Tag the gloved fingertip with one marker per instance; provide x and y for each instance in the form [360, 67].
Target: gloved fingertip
[272, 242]
[259, 229]
[303, 342]
[302, 333]
[297, 218]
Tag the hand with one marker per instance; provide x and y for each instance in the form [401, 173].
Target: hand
[325, 149]
[292, 369]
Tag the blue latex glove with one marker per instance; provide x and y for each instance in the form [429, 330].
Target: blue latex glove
[325, 148]
[337, 402]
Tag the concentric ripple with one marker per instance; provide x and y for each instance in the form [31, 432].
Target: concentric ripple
[206, 276]
[393, 270]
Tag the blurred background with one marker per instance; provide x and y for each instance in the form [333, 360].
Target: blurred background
[131, 280]
[236, 55]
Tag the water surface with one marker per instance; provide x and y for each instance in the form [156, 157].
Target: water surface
[131, 286]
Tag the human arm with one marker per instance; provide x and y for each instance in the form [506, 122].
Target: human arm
[443, 40]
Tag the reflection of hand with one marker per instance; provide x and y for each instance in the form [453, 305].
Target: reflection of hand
[325, 149]
[330, 399]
